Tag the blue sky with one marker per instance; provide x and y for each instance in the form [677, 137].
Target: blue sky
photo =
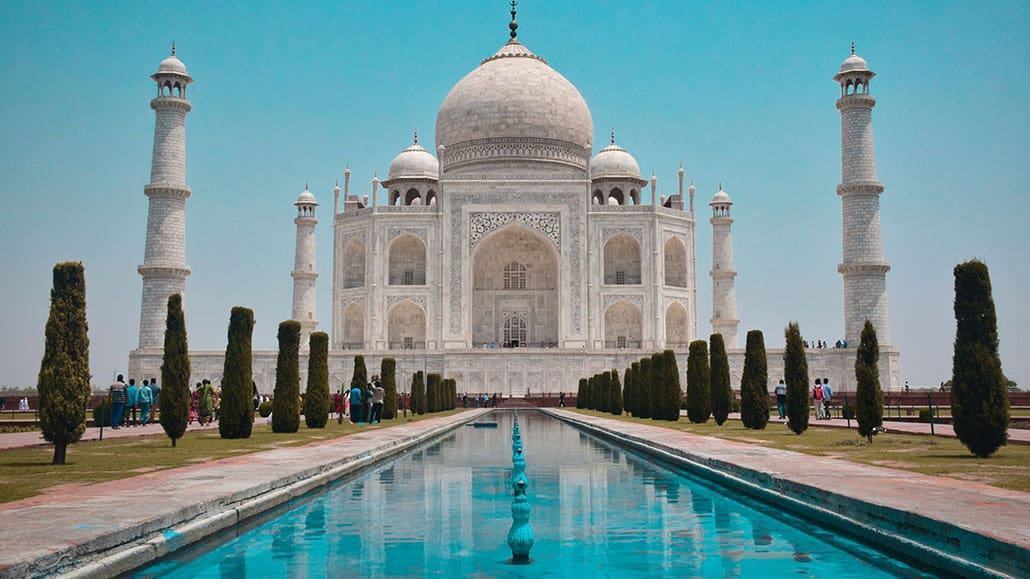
[738, 92]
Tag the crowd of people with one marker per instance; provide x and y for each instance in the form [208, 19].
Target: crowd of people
[822, 396]
[483, 400]
[362, 404]
[132, 404]
[818, 344]
[23, 404]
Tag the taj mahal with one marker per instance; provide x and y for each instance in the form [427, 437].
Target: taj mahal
[509, 254]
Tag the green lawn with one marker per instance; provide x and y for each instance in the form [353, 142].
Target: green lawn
[1009, 468]
[27, 472]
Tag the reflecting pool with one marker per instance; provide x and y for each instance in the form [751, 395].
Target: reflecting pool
[598, 510]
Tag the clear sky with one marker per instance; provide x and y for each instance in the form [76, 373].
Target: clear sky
[291, 92]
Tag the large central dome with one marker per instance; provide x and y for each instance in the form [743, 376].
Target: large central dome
[514, 113]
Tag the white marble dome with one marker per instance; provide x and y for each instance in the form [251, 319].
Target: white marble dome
[854, 63]
[172, 65]
[414, 163]
[721, 198]
[614, 162]
[306, 198]
[513, 105]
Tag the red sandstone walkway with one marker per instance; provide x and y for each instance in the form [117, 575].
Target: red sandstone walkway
[35, 438]
[70, 522]
[839, 485]
[1016, 435]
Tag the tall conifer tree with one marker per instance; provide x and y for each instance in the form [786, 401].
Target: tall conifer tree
[175, 373]
[418, 393]
[236, 414]
[615, 401]
[316, 397]
[63, 382]
[699, 387]
[286, 397]
[754, 383]
[868, 396]
[388, 375]
[795, 373]
[673, 389]
[642, 384]
[722, 392]
[979, 400]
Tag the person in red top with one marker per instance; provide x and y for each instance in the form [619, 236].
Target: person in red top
[817, 399]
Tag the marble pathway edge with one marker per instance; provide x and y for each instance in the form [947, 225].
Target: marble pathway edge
[103, 529]
[960, 526]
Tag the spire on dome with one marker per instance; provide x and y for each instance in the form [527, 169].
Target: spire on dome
[415, 141]
[513, 26]
[852, 48]
[612, 142]
[173, 48]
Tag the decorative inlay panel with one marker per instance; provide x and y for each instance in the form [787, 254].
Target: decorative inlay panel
[418, 232]
[482, 224]
[636, 300]
[634, 232]
[417, 300]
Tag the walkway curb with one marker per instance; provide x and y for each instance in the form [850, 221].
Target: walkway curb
[129, 548]
[937, 543]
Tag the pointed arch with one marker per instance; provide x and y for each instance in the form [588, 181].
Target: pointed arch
[353, 270]
[622, 261]
[411, 196]
[406, 326]
[353, 328]
[675, 256]
[623, 325]
[407, 261]
[677, 326]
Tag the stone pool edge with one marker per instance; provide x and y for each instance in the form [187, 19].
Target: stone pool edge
[122, 558]
[797, 498]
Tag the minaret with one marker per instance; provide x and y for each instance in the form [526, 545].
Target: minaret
[863, 265]
[724, 296]
[304, 274]
[164, 268]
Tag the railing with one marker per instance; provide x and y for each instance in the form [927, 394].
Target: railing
[502, 346]
[622, 344]
[352, 345]
[407, 346]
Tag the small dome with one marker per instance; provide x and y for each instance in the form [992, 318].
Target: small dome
[614, 161]
[721, 198]
[414, 163]
[854, 63]
[306, 198]
[172, 65]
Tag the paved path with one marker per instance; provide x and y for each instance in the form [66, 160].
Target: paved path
[1016, 435]
[71, 524]
[952, 515]
[35, 438]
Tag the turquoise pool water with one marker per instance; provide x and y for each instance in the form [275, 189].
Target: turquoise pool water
[444, 510]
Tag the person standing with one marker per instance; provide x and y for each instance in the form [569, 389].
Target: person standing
[118, 399]
[366, 402]
[256, 395]
[207, 402]
[132, 403]
[817, 398]
[561, 400]
[355, 404]
[378, 395]
[827, 398]
[155, 394]
[146, 399]
[781, 399]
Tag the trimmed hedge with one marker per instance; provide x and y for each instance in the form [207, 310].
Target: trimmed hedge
[286, 397]
[236, 415]
[316, 397]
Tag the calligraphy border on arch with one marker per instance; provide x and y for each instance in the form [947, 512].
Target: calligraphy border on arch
[546, 222]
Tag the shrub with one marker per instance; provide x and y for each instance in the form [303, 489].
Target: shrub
[175, 372]
[673, 390]
[388, 375]
[433, 393]
[699, 386]
[316, 397]
[979, 401]
[615, 401]
[627, 390]
[634, 370]
[722, 393]
[63, 383]
[449, 387]
[286, 397]
[360, 376]
[102, 412]
[605, 392]
[657, 387]
[418, 393]
[754, 383]
[581, 394]
[925, 414]
[236, 416]
[868, 396]
[642, 389]
[795, 374]
[265, 409]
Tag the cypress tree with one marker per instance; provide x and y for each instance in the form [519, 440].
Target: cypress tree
[286, 397]
[581, 393]
[979, 400]
[599, 393]
[637, 394]
[433, 393]
[604, 392]
[722, 393]
[388, 375]
[754, 384]
[642, 386]
[236, 415]
[657, 387]
[674, 392]
[699, 387]
[595, 392]
[175, 373]
[627, 390]
[360, 377]
[868, 396]
[448, 394]
[418, 393]
[63, 383]
[615, 402]
[316, 397]
[589, 402]
[795, 374]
